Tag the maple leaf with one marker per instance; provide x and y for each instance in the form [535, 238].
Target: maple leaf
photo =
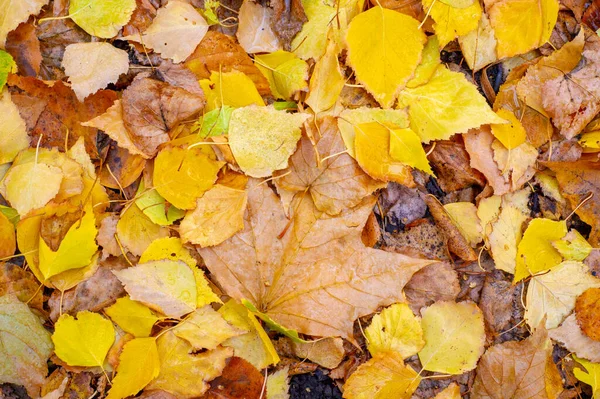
[521, 369]
[351, 283]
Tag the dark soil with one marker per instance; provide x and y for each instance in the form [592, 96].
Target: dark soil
[313, 386]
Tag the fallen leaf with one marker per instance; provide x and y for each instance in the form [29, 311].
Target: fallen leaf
[464, 216]
[518, 164]
[479, 45]
[206, 329]
[175, 31]
[552, 296]
[451, 163]
[478, 143]
[320, 167]
[7, 65]
[92, 66]
[446, 105]
[286, 73]
[230, 89]
[287, 20]
[262, 138]
[371, 36]
[168, 248]
[14, 12]
[522, 369]
[454, 337]
[31, 185]
[430, 59]
[278, 384]
[585, 310]
[511, 134]
[395, 329]
[451, 20]
[589, 376]
[573, 246]
[104, 18]
[239, 379]
[20, 283]
[158, 210]
[184, 373]
[138, 365]
[166, 286]
[327, 352]
[13, 130]
[326, 82]
[133, 317]
[254, 31]
[136, 232]
[311, 41]
[384, 376]
[83, 341]
[121, 168]
[570, 336]
[26, 343]
[24, 46]
[452, 391]
[433, 283]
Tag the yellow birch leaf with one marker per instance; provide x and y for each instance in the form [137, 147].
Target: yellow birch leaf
[372, 150]
[454, 337]
[262, 138]
[311, 41]
[326, 82]
[464, 216]
[522, 25]
[218, 215]
[505, 237]
[138, 365]
[590, 141]
[286, 73]
[590, 375]
[155, 206]
[446, 105]
[13, 12]
[12, 130]
[66, 280]
[31, 185]
[405, 147]
[167, 248]
[234, 89]
[452, 391]
[136, 232]
[429, 63]
[184, 373]
[204, 294]
[383, 377]
[372, 38]
[395, 329]
[573, 246]
[101, 18]
[350, 118]
[254, 346]
[182, 175]
[479, 46]
[175, 32]
[166, 286]
[83, 341]
[76, 249]
[278, 384]
[552, 296]
[511, 134]
[451, 21]
[133, 317]
[206, 329]
[535, 252]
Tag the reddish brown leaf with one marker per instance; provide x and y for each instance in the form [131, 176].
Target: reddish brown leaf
[121, 168]
[24, 46]
[450, 162]
[240, 379]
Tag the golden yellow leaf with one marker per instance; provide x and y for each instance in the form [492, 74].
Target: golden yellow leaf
[454, 337]
[286, 73]
[590, 374]
[326, 81]
[278, 384]
[31, 185]
[167, 248]
[66, 280]
[395, 329]
[76, 249]
[372, 37]
[206, 329]
[535, 252]
[234, 89]
[552, 296]
[12, 130]
[165, 285]
[83, 341]
[452, 391]
[132, 317]
[204, 294]
[451, 21]
[138, 365]
[182, 175]
[184, 373]
[430, 60]
[311, 41]
[384, 376]
[8, 240]
[372, 150]
[405, 147]
[136, 232]
[505, 236]
[573, 246]
[479, 46]
[262, 138]
[511, 134]
[464, 216]
[522, 25]
[446, 105]
[154, 205]
[218, 215]
[253, 346]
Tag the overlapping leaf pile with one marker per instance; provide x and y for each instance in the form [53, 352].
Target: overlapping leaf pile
[204, 199]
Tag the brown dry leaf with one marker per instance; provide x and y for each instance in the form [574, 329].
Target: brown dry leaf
[587, 311]
[328, 352]
[517, 165]
[141, 18]
[254, 32]
[523, 369]
[573, 99]
[24, 46]
[120, 168]
[450, 162]
[320, 167]
[457, 243]
[478, 143]
[151, 108]
[240, 379]
[288, 19]
[577, 180]
[21, 283]
[220, 53]
[57, 112]
[569, 334]
[497, 301]
[433, 283]
[286, 268]
[106, 235]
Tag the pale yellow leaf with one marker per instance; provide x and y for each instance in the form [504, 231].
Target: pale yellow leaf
[12, 130]
[136, 232]
[206, 329]
[395, 329]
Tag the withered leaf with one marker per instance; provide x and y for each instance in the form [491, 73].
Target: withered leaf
[437, 282]
[311, 273]
[24, 46]
[450, 162]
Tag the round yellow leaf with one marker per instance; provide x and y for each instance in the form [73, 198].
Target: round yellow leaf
[396, 329]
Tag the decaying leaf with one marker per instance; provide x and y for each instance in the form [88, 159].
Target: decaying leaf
[569, 334]
[13, 12]
[586, 312]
